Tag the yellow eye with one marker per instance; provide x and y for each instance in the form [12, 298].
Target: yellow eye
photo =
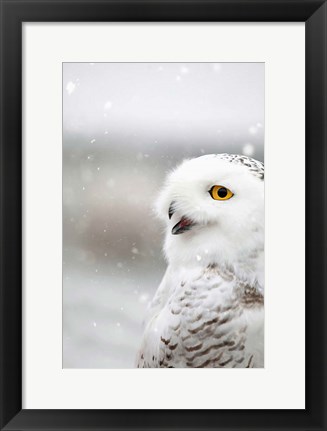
[220, 193]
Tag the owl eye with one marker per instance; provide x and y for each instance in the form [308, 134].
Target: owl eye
[220, 193]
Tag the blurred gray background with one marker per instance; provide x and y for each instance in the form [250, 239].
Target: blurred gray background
[125, 125]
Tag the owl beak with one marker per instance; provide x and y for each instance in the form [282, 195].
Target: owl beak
[182, 226]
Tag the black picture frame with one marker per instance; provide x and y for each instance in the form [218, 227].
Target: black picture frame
[13, 14]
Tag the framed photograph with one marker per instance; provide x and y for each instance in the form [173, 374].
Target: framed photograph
[116, 159]
[163, 206]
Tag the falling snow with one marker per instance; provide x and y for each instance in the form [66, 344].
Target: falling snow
[144, 298]
[108, 105]
[184, 70]
[70, 87]
[248, 150]
[217, 67]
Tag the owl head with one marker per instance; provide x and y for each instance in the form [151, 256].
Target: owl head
[213, 210]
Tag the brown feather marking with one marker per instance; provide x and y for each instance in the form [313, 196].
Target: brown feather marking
[249, 363]
[197, 318]
[252, 297]
[217, 357]
[196, 330]
[210, 322]
[220, 334]
[173, 346]
[204, 364]
[176, 327]
[213, 347]
[194, 348]
[165, 341]
[237, 346]
[222, 364]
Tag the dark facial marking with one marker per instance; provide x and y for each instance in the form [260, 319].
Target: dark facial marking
[171, 210]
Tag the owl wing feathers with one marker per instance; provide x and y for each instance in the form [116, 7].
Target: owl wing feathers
[189, 327]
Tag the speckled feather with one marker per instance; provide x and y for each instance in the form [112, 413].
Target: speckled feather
[215, 320]
[254, 166]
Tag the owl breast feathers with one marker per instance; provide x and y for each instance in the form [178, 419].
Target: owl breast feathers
[209, 308]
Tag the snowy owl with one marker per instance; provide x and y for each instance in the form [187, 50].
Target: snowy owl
[209, 308]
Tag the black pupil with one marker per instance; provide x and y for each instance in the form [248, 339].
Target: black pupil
[222, 192]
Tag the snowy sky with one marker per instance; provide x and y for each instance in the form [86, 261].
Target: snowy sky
[167, 103]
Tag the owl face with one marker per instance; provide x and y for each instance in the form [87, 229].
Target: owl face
[213, 206]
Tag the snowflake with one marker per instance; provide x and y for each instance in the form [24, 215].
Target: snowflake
[248, 149]
[70, 87]
[108, 105]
